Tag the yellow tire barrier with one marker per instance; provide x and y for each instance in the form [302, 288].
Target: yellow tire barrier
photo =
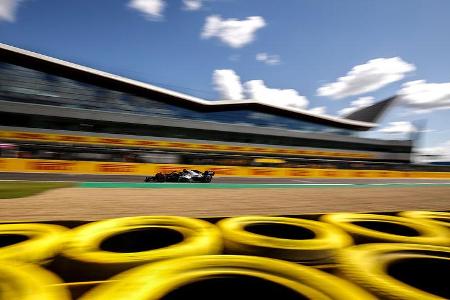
[30, 242]
[437, 217]
[23, 281]
[372, 228]
[399, 271]
[225, 277]
[292, 239]
[114, 245]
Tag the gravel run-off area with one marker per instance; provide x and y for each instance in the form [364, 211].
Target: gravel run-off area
[99, 203]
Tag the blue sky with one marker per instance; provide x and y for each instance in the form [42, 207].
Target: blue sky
[303, 45]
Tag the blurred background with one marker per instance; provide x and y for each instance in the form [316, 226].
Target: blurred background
[306, 85]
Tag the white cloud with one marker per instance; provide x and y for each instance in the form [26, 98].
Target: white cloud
[152, 9]
[257, 90]
[269, 59]
[8, 10]
[319, 110]
[356, 104]
[441, 152]
[424, 96]
[368, 77]
[399, 127]
[228, 84]
[192, 4]
[262, 56]
[233, 32]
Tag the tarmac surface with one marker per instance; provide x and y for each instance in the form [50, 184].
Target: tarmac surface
[245, 180]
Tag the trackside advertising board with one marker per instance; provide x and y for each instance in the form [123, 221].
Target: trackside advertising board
[115, 168]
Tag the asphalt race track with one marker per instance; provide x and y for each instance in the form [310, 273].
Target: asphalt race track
[247, 180]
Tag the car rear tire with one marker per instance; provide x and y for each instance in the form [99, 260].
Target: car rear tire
[160, 177]
[207, 179]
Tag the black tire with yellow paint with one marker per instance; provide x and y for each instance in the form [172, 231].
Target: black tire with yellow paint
[226, 277]
[23, 281]
[373, 228]
[100, 249]
[399, 271]
[292, 239]
[437, 217]
[30, 242]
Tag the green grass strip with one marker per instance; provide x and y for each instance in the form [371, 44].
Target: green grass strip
[244, 185]
[17, 189]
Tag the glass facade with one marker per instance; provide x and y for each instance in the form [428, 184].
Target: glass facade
[21, 84]
[97, 126]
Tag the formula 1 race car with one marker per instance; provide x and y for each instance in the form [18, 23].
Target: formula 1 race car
[187, 176]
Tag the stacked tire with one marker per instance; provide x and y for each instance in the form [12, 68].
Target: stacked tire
[99, 250]
[373, 228]
[386, 256]
[25, 281]
[226, 277]
[398, 257]
[30, 242]
[399, 271]
[24, 250]
[436, 217]
[297, 240]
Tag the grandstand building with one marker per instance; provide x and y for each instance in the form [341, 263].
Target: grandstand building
[82, 113]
